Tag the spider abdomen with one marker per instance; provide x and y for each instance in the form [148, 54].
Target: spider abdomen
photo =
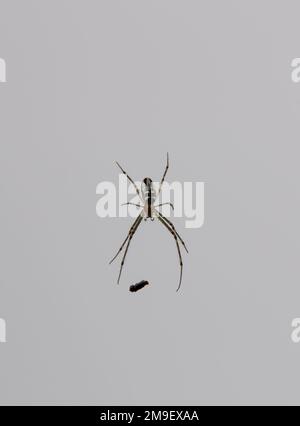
[149, 196]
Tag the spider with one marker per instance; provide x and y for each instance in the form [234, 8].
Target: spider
[148, 196]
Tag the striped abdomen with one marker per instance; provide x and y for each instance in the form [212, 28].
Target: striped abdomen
[148, 196]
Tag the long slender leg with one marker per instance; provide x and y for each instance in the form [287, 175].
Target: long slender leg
[132, 204]
[164, 204]
[140, 218]
[178, 248]
[129, 233]
[130, 180]
[163, 178]
[173, 229]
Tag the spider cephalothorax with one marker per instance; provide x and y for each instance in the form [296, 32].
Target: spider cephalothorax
[148, 195]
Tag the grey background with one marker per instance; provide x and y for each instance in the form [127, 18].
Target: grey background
[90, 82]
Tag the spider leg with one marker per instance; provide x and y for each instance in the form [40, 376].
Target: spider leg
[130, 180]
[131, 234]
[132, 204]
[173, 229]
[177, 244]
[164, 204]
[163, 178]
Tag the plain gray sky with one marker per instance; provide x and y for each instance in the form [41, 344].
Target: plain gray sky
[90, 82]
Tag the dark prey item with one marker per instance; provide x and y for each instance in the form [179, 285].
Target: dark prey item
[138, 286]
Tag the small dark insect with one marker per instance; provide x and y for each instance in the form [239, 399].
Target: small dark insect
[149, 210]
[138, 286]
